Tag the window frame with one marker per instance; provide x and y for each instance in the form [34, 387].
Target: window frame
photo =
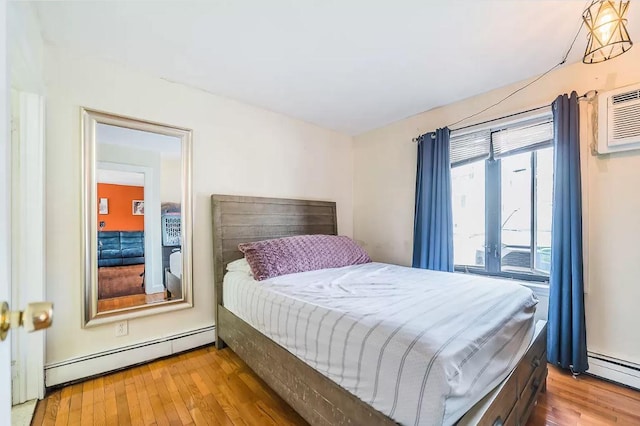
[493, 217]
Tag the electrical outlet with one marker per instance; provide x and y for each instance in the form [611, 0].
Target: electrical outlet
[122, 328]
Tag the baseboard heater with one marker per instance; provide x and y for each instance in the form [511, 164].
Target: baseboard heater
[615, 370]
[60, 373]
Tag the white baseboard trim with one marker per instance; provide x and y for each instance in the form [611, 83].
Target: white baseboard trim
[103, 362]
[616, 370]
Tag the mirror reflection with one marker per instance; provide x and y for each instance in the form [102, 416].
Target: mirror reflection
[137, 218]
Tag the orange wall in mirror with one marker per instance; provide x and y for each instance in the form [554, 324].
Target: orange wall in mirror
[120, 216]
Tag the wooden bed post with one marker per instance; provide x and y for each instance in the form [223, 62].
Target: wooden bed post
[218, 266]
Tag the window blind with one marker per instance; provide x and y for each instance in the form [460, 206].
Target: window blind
[469, 147]
[523, 137]
[499, 142]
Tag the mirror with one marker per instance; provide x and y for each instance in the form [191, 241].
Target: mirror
[137, 217]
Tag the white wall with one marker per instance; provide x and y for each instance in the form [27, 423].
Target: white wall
[25, 47]
[384, 187]
[170, 180]
[237, 149]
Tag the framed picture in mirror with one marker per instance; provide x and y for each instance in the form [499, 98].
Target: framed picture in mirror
[137, 207]
[103, 207]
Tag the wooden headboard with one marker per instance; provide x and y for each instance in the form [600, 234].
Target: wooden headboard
[238, 219]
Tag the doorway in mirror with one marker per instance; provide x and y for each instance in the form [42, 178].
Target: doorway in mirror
[121, 254]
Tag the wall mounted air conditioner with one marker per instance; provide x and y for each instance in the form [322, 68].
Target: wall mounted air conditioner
[619, 120]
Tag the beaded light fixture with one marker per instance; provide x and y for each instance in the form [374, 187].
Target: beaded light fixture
[608, 36]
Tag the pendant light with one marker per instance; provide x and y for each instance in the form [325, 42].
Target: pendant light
[608, 36]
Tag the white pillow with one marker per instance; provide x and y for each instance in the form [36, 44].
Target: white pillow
[240, 265]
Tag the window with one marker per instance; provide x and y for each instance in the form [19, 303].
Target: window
[467, 189]
[502, 185]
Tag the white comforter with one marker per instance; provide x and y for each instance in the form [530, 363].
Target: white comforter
[419, 346]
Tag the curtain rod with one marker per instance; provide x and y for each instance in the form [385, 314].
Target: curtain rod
[587, 94]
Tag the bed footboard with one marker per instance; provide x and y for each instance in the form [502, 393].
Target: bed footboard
[316, 398]
[322, 402]
[513, 400]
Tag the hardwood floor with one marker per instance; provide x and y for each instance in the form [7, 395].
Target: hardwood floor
[202, 387]
[129, 301]
[585, 400]
[210, 387]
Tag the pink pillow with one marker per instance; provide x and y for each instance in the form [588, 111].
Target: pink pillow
[281, 256]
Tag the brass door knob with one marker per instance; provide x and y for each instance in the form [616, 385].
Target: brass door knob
[37, 316]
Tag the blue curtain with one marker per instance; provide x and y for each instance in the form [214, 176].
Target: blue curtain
[433, 222]
[566, 338]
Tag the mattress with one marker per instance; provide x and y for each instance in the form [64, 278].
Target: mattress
[420, 346]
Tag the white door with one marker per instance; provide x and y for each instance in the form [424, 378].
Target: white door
[28, 236]
[5, 218]
[22, 189]
[13, 242]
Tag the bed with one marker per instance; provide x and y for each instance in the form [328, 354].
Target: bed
[319, 395]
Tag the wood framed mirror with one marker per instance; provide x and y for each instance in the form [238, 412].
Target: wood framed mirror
[137, 218]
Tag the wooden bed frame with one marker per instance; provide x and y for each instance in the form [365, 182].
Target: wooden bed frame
[316, 398]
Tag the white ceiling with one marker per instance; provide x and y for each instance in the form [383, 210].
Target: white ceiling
[348, 65]
[118, 177]
[168, 146]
